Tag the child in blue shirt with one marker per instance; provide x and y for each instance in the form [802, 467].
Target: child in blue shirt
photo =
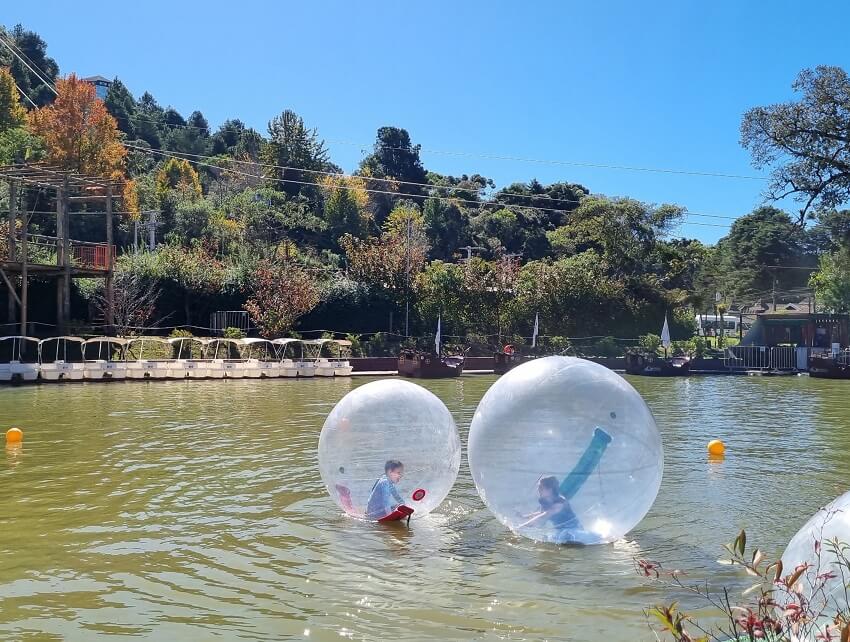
[384, 498]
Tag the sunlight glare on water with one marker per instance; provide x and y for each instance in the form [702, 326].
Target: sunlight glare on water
[195, 511]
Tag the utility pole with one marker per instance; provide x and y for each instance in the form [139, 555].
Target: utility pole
[13, 200]
[469, 249]
[407, 283]
[152, 230]
[773, 294]
[110, 264]
[717, 325]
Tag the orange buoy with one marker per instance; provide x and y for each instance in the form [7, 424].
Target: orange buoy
[716, 447]
[14, 436]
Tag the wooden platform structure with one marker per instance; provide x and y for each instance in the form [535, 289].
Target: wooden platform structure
[73, 258]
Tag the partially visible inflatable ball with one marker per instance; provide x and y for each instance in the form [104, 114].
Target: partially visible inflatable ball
[818, 545]
[373, 429]
[565, 450]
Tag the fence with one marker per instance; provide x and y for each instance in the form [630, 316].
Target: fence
[96, 256]
[229, 319]
[43, 250]
[762, 358]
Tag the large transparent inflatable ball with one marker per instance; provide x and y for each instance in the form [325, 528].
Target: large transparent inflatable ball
[565, 450]
[389, 450]
[821, 547]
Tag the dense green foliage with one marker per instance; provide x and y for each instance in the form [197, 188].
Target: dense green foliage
[240, 213]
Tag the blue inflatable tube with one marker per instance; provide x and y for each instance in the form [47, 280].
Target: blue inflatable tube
[586, 464]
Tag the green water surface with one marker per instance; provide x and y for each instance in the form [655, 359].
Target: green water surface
[195, 511]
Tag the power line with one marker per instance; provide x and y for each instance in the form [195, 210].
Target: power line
[12, 42]
[486, 156]
[18, 56]
[520, 159]
[24, 94]
[347, 187]
[188, 156]
[53, 89]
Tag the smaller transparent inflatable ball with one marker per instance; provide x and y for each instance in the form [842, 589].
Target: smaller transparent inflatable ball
[388, 450]
[565, 450]
[821, 584]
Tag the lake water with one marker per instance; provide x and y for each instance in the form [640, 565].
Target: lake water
[195, 511]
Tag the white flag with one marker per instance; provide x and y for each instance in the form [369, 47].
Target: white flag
[437, 338]
[665, 334]
[536, 330]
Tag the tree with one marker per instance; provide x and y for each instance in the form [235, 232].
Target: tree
[236, 140]
[463, 188]
[120, 103]
[188, 136]
[447, 227]
[12, 113]
[555, 201]
[292, 147]
[755, 244]
[394, 156]
[831, 231]
[346, 206]
[806, 143]
[624, 231]
[78, 132]
[392, 261]
[178, 174]
[832, 281]
[440, 292]
[134, 302]
[499, 230]
[575, 296]
[16, 143]
[149, 121]
[281, 293]
[33, 49]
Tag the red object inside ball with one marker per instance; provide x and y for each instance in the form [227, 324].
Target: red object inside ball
[418, 494]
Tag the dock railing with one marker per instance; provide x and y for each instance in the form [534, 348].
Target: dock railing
[747, 358]
[783, 358]
[762, 358]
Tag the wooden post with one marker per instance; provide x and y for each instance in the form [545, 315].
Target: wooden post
[66, 303]
[13, 201]
[24, 285]
[60, 250]
[152, 231]
[110, 263]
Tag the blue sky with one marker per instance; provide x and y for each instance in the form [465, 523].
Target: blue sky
[653, 84]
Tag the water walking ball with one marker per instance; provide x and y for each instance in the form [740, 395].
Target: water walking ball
[820, 545]
[716, 447]
[371, 429]
[565, 450]
[14, 436]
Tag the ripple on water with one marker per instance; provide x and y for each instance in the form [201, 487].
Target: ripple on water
[195, 511]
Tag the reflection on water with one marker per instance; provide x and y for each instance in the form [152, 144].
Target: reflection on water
[195, 511]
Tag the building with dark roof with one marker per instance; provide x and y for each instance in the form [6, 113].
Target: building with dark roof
[101, 85]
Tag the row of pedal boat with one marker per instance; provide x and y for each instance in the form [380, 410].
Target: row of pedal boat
[66, 358]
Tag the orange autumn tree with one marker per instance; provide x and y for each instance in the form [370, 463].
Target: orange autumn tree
[78, 133]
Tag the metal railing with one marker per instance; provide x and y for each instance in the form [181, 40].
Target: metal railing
[747, 358]
[43, 249]
[783, 358]
[761, 358]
